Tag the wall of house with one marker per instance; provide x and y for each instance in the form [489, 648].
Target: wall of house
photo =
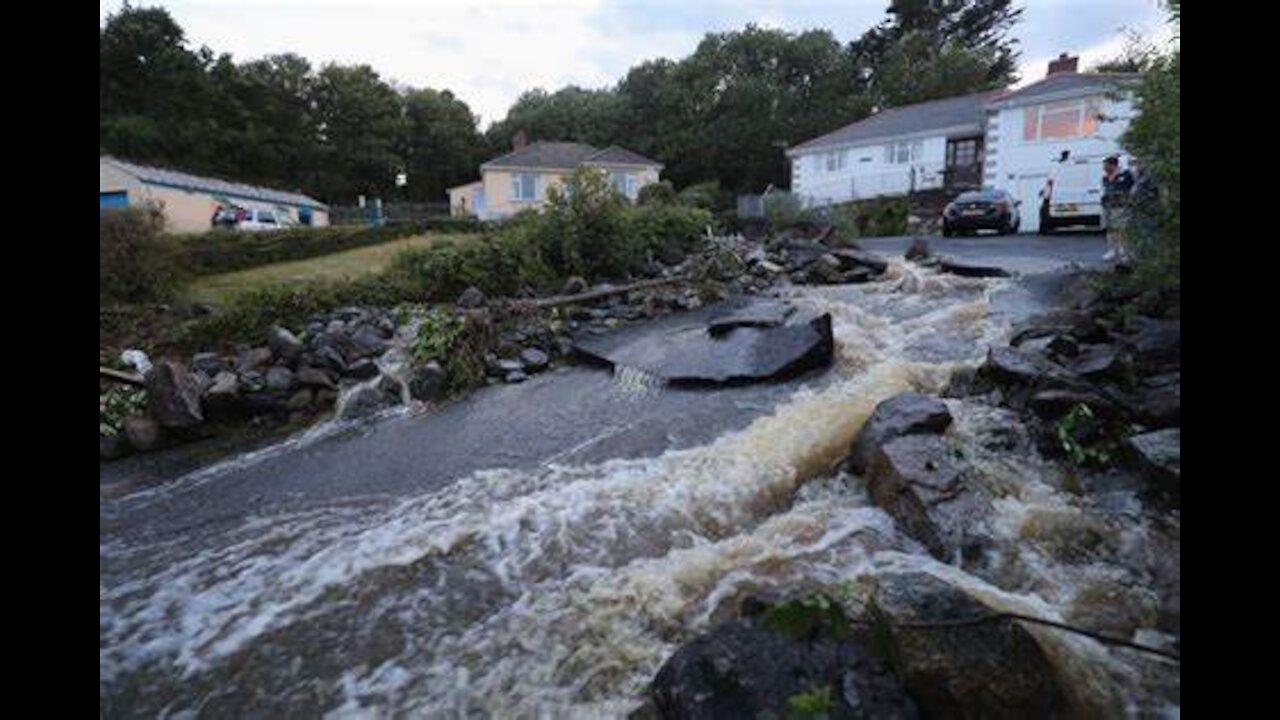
[497, 184]
[1021, 166]
[865, 173]
[113, 179]
[191, 211]
[462, 199]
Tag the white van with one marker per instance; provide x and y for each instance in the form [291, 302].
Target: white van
[259, 220]
[1072, 196]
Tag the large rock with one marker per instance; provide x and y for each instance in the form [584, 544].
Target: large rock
[208, 363]
[1159, 455]
[472, 297]
[903, 414]
[964, 269]
[850, 259]
[111, 447]
[1014, 366]
[573, 286]
[1098, 361]
[367, 341]
[284, 344]
[173, 395]
[1157, 345]
[679, 349]
[279, 378]
[741, 669]
[368, 398]
[534, 360]
[315, 377]
[252, 359]
[918, 480]
[1159, 403]
[428, 383]
[143, 433]
[983, 670]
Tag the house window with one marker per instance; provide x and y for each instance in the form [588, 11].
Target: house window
[624, 183]
[902, 153]
[962, 152]
[835, 160]
[524, 187]
[1061, 120]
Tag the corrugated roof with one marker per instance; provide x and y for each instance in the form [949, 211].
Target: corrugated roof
[566, 156]
[1066, 83]
[966, 110]
[187, 181]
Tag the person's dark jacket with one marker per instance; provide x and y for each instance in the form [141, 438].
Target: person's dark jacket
[1116, 190]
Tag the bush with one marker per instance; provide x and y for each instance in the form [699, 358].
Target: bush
[658, 193]
[782, 209]
[499, 264]
[708, 196]
[137, 262]
[668, 232]
[219, 251]
[1155, 140]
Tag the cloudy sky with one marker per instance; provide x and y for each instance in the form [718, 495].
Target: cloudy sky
[489, 51]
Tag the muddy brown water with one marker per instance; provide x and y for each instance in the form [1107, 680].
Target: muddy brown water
[540, 549]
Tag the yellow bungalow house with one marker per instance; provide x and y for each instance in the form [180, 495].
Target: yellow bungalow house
[520, 179]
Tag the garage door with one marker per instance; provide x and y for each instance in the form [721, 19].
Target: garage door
[113, 199]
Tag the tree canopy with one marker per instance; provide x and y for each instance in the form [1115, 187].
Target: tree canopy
[725, 113]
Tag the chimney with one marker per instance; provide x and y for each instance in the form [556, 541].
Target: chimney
[1064, 64]
[519, 140]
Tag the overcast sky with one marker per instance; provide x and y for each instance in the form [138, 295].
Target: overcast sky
[489, 51]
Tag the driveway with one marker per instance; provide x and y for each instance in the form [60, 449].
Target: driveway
[1025, 254]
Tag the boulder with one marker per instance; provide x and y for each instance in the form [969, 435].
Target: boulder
[472, 297]
[1157, 345]
[516, 376]
[741, 669]
[173, 395]
[1052, 404]
[919, 250]
[1158, 455]
[964, 269]
[368, 398]
[983, 670]
[252, 359]
[143, 433]
[1014, 366]
[918, 480]
[367, 341]
[208, 363]
[300, 399]
[279, 378]
[534, 360]
[221, 396]
[284, 344]
[363, 369]
[574, 286]
[428, 383]
[1160, 405]
[907, 413]
[850, 259]
[1097, 361]
[315, 377]
[332, 358]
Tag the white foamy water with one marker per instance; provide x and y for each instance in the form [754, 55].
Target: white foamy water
[558, 592]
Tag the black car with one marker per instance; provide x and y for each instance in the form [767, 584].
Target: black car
[981, 210]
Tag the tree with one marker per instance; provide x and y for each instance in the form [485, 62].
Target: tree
[360, 124]
[442, 147]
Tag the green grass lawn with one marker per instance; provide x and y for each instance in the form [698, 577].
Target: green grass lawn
[217, 289]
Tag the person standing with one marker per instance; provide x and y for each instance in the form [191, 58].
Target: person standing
[1117, 186]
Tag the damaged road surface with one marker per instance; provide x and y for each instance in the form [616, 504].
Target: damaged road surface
[731, 342]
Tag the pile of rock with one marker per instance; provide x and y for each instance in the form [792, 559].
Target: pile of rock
[812, 262]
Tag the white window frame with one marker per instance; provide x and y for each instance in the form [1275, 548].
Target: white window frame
[834, 161]
[628, 188]
[1081, 105]
[517, 186]
[903, 153]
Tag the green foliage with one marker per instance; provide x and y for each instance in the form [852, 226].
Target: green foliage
[117, 402]
[498, 264]
[815, 704]
[1085, 439]
[808, 618]
[707, 195]
[1154, 138]
[659, 193]
[137, 262]
[458, 342]
[219, 251]
[783, 209]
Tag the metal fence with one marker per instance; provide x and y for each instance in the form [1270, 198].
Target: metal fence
[389, 213]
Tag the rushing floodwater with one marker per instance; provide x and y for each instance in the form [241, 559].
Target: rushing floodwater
[558, 591]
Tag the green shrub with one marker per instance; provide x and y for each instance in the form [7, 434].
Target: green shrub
[458, 342]
[708, 196]
[117, 402]
[668, 232]
[137, 262]
[782, 209]
[1155, 140]
[499, 264]
[658, 193]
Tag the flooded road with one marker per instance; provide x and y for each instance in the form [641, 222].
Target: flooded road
[538, 550]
